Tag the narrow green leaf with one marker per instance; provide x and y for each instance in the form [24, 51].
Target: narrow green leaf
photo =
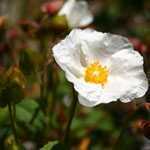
[50, 145]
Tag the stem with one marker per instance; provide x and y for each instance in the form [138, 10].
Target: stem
[14, 110]
[34, 115]
[71, 115]
[43, 95]
[52, 108]
[43, 87]
[12, 120]
[54, 82]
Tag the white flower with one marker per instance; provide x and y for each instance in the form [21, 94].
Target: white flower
[103, 67]
[77, 13]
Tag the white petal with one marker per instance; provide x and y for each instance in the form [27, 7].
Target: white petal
[92, 46]
[77, 13]
[89, 94]
[86, 102]
[95, 51]
[67, 7]
[114, 43]
[100, 46]
[127, 79]
[67, 54]
[127, 62]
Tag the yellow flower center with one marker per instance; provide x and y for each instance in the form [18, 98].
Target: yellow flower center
[96, 73]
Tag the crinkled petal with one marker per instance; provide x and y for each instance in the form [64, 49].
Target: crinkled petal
[127, 79]
[67, 54]
[114, 43]
[98, 46]
[67, 7]
[77, 13]
[89, 94]
[127, 62]
[92, 46]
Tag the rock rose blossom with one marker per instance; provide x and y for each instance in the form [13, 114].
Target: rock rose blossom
[103, 67]
[77, 13]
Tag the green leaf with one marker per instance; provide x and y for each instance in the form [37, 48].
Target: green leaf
[3, 115]
[95, 118]
[50, 145]
[29, 104]
[24, 112]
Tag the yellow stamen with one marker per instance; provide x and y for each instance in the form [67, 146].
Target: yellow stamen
[95, 73]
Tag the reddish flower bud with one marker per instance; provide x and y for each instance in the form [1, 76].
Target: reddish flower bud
[143, 126]
[12, 33]
[138, 45]
[147, 106]
[52, 7]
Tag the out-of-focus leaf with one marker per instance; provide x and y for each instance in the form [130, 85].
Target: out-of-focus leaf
[127, 141]
[49, 146]
[29, 104]
[95, 118]
[3, 115]
[24, 112]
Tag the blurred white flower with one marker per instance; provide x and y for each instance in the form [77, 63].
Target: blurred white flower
[77, 13]
[103, 67]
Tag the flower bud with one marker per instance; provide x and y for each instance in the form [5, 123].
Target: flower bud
[138, 45]
[51, 7]
[59, 23]
[12, 86]
[144, 127]
[17, 76]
